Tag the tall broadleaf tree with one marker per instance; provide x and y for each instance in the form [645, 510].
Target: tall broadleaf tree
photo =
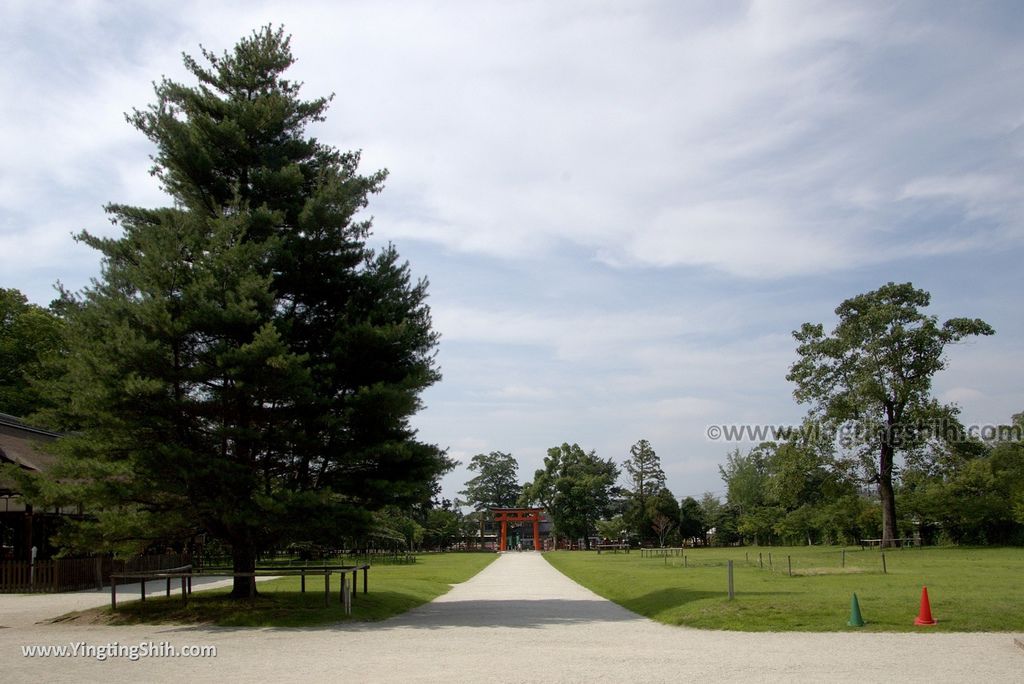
[873, 374]
[496, 484]
[576, 488]
[245, 365]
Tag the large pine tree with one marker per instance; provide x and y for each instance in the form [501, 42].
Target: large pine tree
[245, 365]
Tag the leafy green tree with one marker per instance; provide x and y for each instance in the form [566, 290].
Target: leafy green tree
[874, 372]
[746, 482]
[245, 365]
[692, 523]
[613, 529]
[29, 336]
[442, 528]
[496, 484]
[472, 526]
[719, 519]
[798, 475]
[390, 528]
[803, 479]
[797, 523]
[646, 479]
[970, 496]
[576, 489]
[839, 520]
[663, 512]
[1007, 459]
[758, 524]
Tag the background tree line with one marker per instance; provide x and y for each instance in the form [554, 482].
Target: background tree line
[870, 377]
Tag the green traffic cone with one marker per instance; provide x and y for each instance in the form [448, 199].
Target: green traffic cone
[855, 619]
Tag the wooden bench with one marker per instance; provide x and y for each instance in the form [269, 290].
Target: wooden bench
[614, 548]
[186, 573]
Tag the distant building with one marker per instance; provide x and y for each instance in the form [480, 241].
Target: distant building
[21, 525]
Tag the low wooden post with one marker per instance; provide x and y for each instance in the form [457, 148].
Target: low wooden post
[771, 566]
[789, 562]
[760, 560]
[684, 562]
[168, 586]
[355, 575]
[302, 581]
[327, 588]
[184, 591]
[884, 570]
[113, 593]
[844, 558]
[732, 594]
[142, 587]
[366, 571]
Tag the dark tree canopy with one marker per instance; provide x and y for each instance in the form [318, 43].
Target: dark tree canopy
[644, 469]
[646, 479]
[874, 373]
[29, 336]
[662, 510]
[245, 365]
[692, 524]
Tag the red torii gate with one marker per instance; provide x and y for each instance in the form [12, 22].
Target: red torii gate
[507, 515]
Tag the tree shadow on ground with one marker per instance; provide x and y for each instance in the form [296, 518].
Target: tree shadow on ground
[518, 614]
[675, 597]
[521, 613]
[663, 599]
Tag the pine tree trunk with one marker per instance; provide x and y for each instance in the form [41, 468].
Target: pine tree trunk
[244, 560]
[887, 496]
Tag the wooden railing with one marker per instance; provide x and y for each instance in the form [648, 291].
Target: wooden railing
[71, 574]
[184, 574]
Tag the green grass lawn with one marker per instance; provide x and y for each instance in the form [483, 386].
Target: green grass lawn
[393, 589]
[971, 589]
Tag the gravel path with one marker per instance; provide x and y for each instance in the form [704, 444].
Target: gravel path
[519, 620]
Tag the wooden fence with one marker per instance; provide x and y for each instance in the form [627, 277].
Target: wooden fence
[70, 574]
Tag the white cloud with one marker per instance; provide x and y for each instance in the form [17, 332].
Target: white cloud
[662, 190]
[961, 395]
[679, 407]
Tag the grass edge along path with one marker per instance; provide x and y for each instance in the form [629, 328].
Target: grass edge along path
[394, 589]
[971, 589]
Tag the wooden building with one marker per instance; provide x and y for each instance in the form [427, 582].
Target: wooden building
[22, 526]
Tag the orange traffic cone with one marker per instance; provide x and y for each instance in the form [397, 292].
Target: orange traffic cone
[924, 616]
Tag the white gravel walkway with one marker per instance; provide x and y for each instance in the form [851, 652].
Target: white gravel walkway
[517, 621]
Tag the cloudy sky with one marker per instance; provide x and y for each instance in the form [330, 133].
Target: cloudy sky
[624, 209]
